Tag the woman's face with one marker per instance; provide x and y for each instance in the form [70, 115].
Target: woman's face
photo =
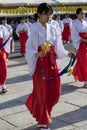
[81, 15]
[44, 17]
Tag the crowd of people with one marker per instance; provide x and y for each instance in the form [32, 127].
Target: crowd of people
[42, 45]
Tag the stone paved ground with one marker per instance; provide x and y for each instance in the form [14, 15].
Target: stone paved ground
[69, 114]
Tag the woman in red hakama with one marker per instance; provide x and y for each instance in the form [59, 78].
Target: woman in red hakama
[42, 49]
[66, 34]
[80, 69]
[3, 67]
[23, 32]
[79, 38]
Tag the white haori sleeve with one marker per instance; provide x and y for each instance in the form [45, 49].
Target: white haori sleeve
[59, 48]
[1, 33]
[75, 36]
[31, 50]
[8, 44]
[6, 35]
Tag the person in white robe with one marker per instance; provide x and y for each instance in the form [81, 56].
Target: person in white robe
[66, 34]
[23, 33]
[79, 40]
[10, 31]
[43, 48]
[4, 53]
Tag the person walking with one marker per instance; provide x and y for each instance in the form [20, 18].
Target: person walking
[23, 33]
[66, 34]
[43, 47]
[4, 55]
[79, 39]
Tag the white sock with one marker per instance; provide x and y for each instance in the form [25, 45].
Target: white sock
[3, 86]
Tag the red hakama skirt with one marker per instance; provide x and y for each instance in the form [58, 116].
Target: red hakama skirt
[45, 92]
[3, 64]
[66, 34]
[23, 39]
[80, 68]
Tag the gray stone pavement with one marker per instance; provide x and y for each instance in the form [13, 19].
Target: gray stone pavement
[69, 114]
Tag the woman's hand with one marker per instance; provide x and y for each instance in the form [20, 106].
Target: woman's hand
[41, 54]
[71, 54]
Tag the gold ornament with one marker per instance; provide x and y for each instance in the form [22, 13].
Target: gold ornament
[46, 46]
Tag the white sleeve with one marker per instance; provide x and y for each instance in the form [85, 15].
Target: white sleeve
[17, 30]
[75, 37]
[10, 28]
[59, 48]
[62, 26]
[31, 50]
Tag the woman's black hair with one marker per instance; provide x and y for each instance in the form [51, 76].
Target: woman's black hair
[44, 8]
[78, 10]
[35, 17]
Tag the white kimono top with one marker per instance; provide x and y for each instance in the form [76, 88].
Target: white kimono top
[5, 35]
[77, 27]
[29, 25]
[21, 27]
[68, 20]
[60, 25]
[38, 36]
[55, 24]
[9, 28]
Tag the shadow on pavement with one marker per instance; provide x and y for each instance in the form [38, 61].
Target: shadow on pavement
[14, 102]
[71, 118]
[67, 119]
[19, 79]
[68, 89]
[15, 65]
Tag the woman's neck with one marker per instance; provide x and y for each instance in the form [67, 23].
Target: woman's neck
[43, 23]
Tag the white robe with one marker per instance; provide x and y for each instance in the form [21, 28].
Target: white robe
[55, 24]
[67, 20]
[60, 25]
[77, 27]
[5, 36]
[38, 36]
[29, 25]
[9, 28]
[21, 27]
